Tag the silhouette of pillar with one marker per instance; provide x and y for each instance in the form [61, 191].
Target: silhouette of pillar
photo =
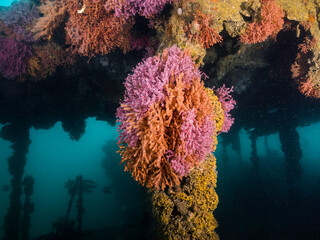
[254, 154]
[290, 145]
[233, 138]
[28, 207]
[225, 156]
[18, 134]
[266, 146]
[80, 203]
[236, 146]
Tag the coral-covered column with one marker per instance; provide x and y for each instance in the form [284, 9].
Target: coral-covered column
[168, 127]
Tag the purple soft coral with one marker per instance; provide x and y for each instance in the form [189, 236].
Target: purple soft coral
[178, 163]
[147, 85]
[197, 141]
[13, 57]
[228, 104]
[19, 18]
[128, 8]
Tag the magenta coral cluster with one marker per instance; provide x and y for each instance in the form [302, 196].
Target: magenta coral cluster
[197, 141]
[14, 57]
[166, 120]
[228, 103]
[147, 85]
[19, 17]
[196, 138]
[128, 8]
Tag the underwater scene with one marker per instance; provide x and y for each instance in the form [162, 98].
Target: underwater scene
[159, 119]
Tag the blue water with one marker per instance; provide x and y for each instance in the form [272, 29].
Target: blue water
[53, 159]
[5, 3]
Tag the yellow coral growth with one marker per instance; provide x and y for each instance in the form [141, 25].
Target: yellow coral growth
[163, 206]
[203, 183]
[34, 66]
[194, 202]
[195, 25]
[172, 32]
[305, 12]
[217, 109]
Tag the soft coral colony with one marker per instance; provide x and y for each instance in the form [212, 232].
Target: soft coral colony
[167, 119]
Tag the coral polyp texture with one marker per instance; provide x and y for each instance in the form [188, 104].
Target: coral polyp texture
[186, 212]
[166, 120]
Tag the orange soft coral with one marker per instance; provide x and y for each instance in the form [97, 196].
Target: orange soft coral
[270, 22]
[92, 30]
[306, 87]
[54, 13]
[159, 131]
[305, 69]
[46, 59]
[311, 86]
[207, 35]
[147, 161]
[167, 120]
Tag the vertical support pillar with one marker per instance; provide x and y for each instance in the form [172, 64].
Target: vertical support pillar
[19, 136]
[225, 156]
[254, 154]
[290, 145]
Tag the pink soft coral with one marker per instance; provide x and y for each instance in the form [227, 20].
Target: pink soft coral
[197, 141]
[228, 103]
[128, 8]
[13, 57]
